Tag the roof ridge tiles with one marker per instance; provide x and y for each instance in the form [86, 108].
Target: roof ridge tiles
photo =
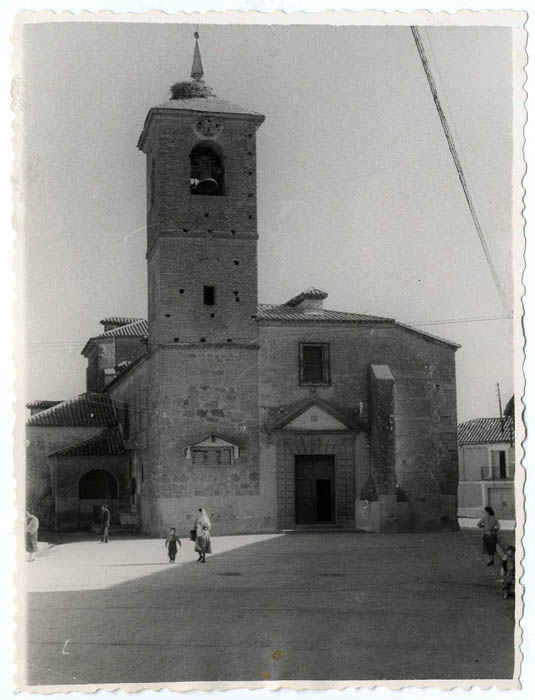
[88, 409]
[110, 441]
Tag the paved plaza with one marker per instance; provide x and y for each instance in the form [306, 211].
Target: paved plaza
[316, 606]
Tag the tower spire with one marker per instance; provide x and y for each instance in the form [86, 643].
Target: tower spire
[197, 70]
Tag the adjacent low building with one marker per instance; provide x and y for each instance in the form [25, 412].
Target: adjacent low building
[487, 467]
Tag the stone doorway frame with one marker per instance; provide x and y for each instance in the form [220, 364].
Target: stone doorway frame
[341, 444]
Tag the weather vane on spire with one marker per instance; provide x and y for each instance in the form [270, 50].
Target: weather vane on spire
[197, 70]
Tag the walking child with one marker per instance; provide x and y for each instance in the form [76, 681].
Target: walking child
[508, 572]
[170, 543]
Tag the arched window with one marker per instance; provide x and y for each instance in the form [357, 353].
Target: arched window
[207, 173]
[98, 484]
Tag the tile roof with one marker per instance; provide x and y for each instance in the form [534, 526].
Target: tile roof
[42, 404]
[310, 293]
[119, 320]
[212, 103]
[86, 410]
[283, 312]
[432, 336]
[110, 442]
[286, 314]
[485, 431]
[136, 329]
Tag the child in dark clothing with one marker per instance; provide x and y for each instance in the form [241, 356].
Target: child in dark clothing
[170, 543]
[508, 572]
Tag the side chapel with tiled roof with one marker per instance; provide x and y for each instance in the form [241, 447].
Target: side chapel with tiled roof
[271, 416]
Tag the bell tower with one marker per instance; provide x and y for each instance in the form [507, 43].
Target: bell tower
[202, 438]
[201, 216]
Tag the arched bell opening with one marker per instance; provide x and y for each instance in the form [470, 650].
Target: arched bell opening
[207, 175]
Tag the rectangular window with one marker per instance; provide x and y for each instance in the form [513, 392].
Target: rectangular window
[499, 464]
[209, 296]
[314, 364]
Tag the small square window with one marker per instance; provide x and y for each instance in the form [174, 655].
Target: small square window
[314, 364]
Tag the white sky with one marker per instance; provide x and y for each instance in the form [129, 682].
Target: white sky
[357, 191]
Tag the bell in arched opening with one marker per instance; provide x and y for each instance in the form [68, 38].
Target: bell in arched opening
[207, 175]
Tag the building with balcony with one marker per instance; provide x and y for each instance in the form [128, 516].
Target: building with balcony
[486, 467]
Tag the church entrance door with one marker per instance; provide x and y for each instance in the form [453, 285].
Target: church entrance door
[314, 489]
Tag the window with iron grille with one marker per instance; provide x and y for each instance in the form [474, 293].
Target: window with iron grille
[211, 456]
[314, 364]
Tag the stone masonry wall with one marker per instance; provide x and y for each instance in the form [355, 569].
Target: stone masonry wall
[196, 391]
[69, 471]
[130, 393]
[424, 400]
[40, 441]
[425, 424]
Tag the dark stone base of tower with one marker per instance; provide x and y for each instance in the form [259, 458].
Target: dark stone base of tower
[269, 416]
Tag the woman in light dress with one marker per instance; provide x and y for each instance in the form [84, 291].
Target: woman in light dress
[490, 525]
[31, 528]
[202, 527]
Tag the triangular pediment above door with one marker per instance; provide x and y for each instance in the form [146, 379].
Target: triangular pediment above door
[313, 415]
[315, 419]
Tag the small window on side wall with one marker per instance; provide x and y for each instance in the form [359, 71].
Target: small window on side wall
[314, 364]
[499, 464]
[208, 296]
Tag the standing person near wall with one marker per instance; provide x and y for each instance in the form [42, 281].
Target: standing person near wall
[490, 525]
[202, 527]
[104, 524]
[31, 529]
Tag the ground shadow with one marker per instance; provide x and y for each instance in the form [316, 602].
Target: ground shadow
[335, 606]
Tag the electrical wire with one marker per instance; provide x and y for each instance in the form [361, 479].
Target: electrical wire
[458, 166]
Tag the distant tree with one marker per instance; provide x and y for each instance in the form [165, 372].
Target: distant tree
[509, 410]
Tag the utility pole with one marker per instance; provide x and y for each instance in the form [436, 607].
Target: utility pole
[500, 404]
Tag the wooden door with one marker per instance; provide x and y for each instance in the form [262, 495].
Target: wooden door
[502, 502]
[314, 489]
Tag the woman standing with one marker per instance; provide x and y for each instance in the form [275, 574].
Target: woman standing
[202, 527]
[490, 526]
[31, 528]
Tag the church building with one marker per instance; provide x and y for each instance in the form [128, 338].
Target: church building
[272, 417]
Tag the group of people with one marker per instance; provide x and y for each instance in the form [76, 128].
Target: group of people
[200, 534]
[490, 526]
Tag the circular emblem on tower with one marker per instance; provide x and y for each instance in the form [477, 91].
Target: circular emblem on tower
[207, 127]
